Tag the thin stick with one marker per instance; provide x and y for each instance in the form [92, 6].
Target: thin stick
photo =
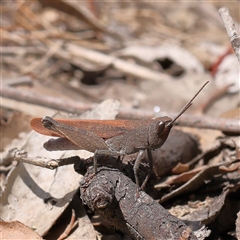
[231, 30]
[22, 156]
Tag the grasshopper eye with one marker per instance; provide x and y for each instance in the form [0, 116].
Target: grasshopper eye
[160, 127]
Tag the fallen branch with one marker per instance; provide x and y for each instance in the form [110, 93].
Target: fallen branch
[46, 101]
[116, 199]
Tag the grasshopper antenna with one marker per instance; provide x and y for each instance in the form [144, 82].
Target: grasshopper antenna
[188, 105]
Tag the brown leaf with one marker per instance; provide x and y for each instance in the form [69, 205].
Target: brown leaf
[17, 230]
[197, 180]
[180, 168]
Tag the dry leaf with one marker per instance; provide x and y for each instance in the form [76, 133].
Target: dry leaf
[17, 230]
[48, 192]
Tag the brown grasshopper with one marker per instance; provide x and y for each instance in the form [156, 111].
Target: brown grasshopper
[111, 137]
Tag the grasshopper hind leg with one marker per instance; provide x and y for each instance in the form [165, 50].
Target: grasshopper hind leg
[98, 153]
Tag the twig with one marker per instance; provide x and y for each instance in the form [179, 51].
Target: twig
[222, 124]
[43, 100]
[215, 123]
[231, 30]
[22, 156]
[114, 197]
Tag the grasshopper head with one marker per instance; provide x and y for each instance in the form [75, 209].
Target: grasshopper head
[160, 127]
[159, 131]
